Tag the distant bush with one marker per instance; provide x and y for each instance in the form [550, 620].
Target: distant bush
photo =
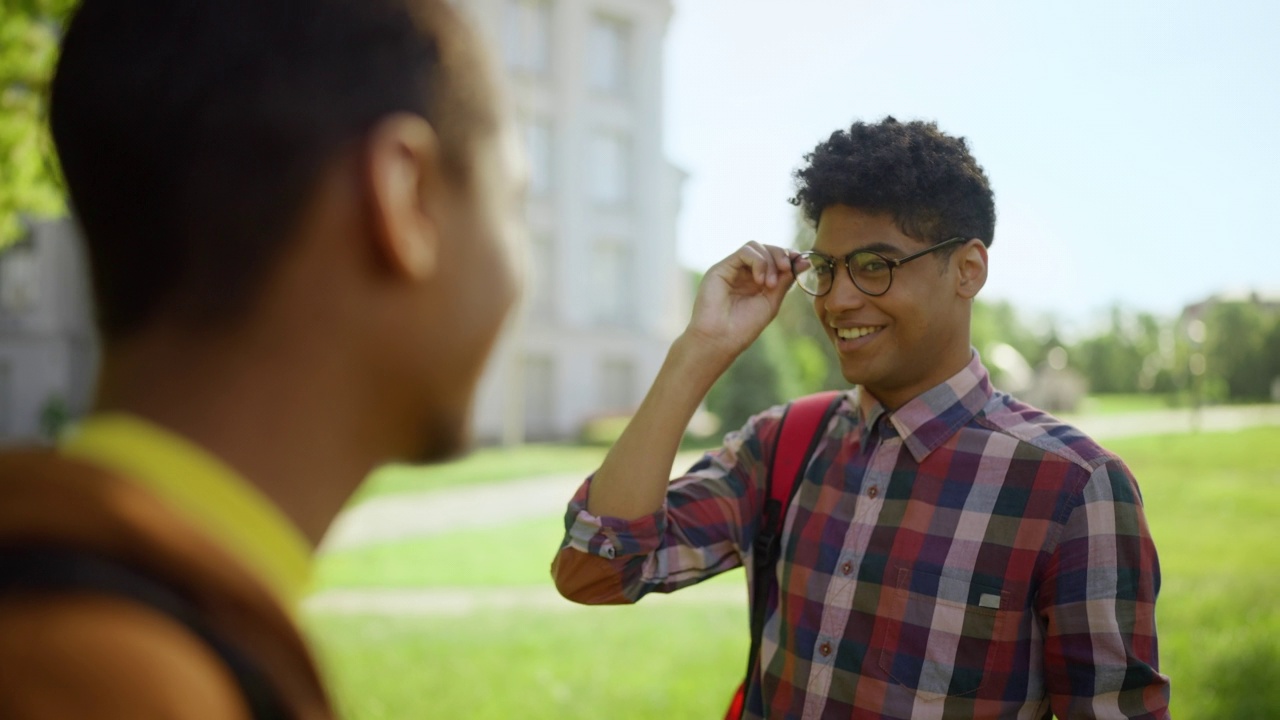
[603, 430]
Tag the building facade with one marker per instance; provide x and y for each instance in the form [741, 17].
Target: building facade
[605, 296]
[48, 353]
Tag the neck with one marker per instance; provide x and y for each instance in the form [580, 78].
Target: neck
[946, 366]
[285, 417]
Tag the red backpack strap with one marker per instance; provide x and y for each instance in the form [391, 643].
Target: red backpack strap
[799, 433]
[797, 438]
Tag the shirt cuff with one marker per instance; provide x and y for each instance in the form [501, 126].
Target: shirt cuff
[611, 537]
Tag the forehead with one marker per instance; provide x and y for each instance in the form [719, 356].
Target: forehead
[843, 229]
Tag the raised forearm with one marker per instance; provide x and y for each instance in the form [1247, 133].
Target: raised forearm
[632, 482]
[738, 297]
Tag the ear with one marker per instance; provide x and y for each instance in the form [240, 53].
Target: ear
[971, 268]
[404, 180]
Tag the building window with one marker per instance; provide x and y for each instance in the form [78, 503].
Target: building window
[527, 35]
[608, 50]
[542, 280]
[617, 386]
[538, 140]
[18, 287]
[6, 398]
[610, 171]
[611, 273]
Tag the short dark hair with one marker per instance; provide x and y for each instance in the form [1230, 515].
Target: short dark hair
[925, 179]
[192, 132]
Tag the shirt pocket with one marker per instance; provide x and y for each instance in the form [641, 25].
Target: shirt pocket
[939, 635]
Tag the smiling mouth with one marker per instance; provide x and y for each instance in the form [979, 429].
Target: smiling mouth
[854, 333]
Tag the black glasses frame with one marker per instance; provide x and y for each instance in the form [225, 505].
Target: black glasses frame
[847, 261]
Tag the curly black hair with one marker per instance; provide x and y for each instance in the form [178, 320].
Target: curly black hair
[927, 180]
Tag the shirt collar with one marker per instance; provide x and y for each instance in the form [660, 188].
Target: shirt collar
[209, 493]
[927, 421]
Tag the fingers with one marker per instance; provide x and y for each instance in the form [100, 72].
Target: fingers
[781, 261]
[767, 263]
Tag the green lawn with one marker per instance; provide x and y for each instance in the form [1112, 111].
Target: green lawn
[628, 663]
[518, 554]
[1212, 500]
[482, 466]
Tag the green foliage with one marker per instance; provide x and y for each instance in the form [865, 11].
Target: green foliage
[29, 179]
[1113, 361]
[54, 417]
[997, 322]
[1140, 353]
[1243, 349]
[816, 366]
[761, 377]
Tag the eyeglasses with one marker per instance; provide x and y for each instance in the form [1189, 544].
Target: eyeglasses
[871, 272]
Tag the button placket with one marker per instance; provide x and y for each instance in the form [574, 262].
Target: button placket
[838, 600]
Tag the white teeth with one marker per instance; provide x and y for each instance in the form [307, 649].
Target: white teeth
[854, 333]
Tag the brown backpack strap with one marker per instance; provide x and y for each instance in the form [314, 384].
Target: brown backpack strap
[41, 569]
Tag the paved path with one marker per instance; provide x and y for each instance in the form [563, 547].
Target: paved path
[423, 514]
[430, 513]
[1162, 422]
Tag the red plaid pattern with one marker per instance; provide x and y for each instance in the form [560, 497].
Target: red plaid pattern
[966, 556]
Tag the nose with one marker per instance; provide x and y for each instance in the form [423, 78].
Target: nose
[844, 295]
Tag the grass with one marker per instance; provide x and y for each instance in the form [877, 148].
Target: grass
[628, 663]
[458, 559]
[1212, 501]
[482, 466]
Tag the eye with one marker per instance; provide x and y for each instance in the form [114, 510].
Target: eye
[816, 264]
[870, 263]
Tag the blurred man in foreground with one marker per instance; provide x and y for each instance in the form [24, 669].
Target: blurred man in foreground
[300, 218]
[948, 551]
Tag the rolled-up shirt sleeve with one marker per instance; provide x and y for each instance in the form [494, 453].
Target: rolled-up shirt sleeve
[1099, 601]
[703, 528]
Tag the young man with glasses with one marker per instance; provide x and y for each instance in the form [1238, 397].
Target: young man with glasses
[949, 552]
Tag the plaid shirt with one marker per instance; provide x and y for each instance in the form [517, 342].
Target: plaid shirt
[965, 556]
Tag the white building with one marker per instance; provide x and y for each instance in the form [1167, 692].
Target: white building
[48, 354]
[606, 296]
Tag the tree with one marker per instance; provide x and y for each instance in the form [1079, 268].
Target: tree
[1127, 357]
[995, 323]
[29, 179]
[1237, 349]
[761, 377]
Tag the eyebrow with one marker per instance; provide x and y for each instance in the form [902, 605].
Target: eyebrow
[880, 247]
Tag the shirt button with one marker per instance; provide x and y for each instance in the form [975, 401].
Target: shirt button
[874, 491]
[825, 649]
[847, 568]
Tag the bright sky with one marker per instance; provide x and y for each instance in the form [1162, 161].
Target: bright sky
[1134, 147]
